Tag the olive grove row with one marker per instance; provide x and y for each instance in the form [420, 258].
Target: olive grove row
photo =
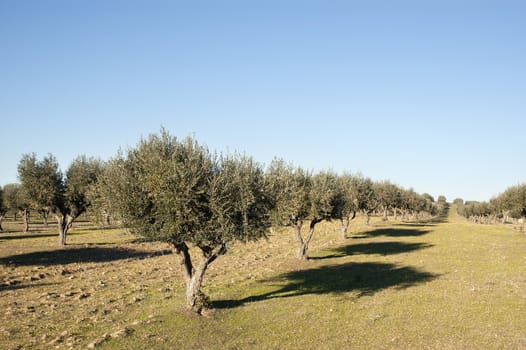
[508, 206]
[177, 191]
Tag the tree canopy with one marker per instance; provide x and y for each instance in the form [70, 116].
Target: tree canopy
[177, 192]
[45, 186]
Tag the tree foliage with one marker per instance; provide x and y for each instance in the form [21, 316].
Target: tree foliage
[290, 188]
[510, 204]
[298, 196]
[14, 199]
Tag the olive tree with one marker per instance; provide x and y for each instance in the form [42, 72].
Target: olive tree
[368, 198]
[81, 175]
[348, 200]
[388, 196]
[512, 202]
[99, 209]
[46, 187]
[290, 189]
[177, 192]
[14, 200]
[300, 196]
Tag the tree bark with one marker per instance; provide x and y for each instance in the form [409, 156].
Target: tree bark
[1, 218]
[344, 227]
[297, 225]
[106, 220]
[45, 215]
[25, 215]
[64, 222]
[303, 244]
[384, 218]
[196, 300]
[345, 222]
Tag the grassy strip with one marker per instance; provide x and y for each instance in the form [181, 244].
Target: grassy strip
[450, 284]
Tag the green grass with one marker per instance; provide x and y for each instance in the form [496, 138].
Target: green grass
[442, 285]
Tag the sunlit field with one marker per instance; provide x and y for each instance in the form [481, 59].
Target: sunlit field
[443, 284]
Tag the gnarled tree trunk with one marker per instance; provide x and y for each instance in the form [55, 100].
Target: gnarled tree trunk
[299, 239]
[45, 214]
[25, 215]
[384, 218]
[196, 300]
[64, 222]
[106, 218]
[344, 227]
[303, 243]
[345, 222]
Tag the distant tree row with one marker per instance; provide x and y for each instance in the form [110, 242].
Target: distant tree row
[44, 189]
[507, 206]
[178, 192]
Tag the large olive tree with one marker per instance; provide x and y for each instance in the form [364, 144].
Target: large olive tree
[177, 192]
[46, 187]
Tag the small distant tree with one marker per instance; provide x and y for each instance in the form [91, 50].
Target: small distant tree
[511, 203]
[348, 200]
[441, 206]
[387, 196]
[44, 212]
[322, 200]
[369, 199]
[176, 192]
[410, 203]
[459, 203]
[3, 208]
[16, 201]
[299, 197]
[290, 188]
[13, 200]
[100, 209]
[429, 198]
[80, 176]
[46, 187]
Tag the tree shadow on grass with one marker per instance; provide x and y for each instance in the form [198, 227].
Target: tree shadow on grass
[27, 235]
[77, 255]
[393, 232]
[416, 224]
[364, 278]
[4, 287]
[382, 248]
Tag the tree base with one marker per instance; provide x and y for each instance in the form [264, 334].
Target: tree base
[199, 303]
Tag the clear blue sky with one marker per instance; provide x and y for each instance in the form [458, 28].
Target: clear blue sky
[427, 94]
